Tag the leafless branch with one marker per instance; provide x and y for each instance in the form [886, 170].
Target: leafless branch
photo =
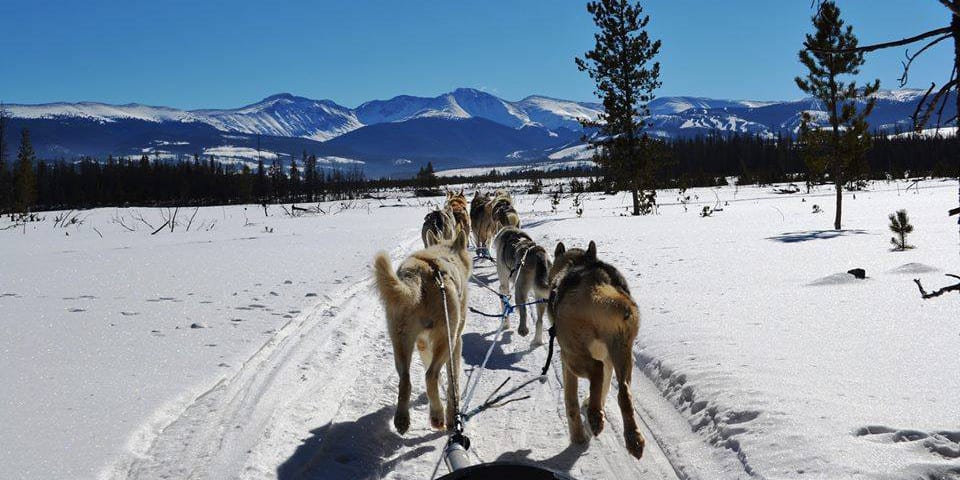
[937, 293]
[192, 217]
[139, 216]
[940, 96]
[880, 46]
[161, 227]
[916, 112]
[911, 58]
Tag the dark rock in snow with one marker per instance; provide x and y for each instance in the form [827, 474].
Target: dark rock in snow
[858, 272]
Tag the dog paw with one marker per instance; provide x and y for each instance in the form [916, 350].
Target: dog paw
[436, 420]
[401, 420]
[579, 437]
[596, 419]
[635, 442]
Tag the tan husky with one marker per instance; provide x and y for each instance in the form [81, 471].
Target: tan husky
[457, 204]
[414, 305]
[596, 323]
[490, 214]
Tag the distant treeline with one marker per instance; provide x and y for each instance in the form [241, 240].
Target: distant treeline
[31, 184]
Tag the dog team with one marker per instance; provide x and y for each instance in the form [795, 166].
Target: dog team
[588, 301]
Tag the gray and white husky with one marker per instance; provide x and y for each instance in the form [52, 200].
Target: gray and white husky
[438, 225]
[524, 263]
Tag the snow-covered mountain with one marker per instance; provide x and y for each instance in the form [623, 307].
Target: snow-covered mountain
[536, 128]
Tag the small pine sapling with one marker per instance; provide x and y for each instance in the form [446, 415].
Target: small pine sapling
[578, 205]
[900, 225]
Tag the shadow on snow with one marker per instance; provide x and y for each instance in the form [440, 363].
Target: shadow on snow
[355, 449]
[798, 237]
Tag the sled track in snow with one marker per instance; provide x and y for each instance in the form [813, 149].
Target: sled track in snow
[316, 401]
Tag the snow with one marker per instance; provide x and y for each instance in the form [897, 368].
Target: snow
[576, 152]
[100, 112]
[538, 167]
[757, 356]
[241, 153]
[332, 160]
[929, 133]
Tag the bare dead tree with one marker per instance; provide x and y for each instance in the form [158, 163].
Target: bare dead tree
[937, 293]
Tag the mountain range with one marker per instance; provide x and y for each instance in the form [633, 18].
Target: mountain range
[463, 128]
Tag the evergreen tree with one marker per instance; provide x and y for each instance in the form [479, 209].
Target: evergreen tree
[278, 180]
[900, 225]
[25, 191]
[829, 55]
[427, 177]
[6, 185]
[293, 185]
[310, 177]
[260, 187]
[625, 81]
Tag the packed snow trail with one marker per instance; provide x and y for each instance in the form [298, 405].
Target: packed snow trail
[317, 402]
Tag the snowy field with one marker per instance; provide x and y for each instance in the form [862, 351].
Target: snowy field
[758, 356]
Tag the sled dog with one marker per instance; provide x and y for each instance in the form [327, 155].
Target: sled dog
[502, 212]
[439, 223]
[457, 204]
[521, 261]
[479, 222]
[414, 303]
[596, 323]
[490, 214]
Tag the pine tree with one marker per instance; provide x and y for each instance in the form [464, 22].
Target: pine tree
[900, 225]
[293, 185]
[625, 81]
[427, 177]
[260, 187]
[278, 180]
[310, 177]
[25, 182]
[828, 56]
[6, 186]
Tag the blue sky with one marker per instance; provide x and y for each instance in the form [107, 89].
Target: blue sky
[221, 54]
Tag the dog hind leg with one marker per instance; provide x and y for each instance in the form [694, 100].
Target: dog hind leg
[595, 404]
[403, 345]
[572, 404]
[623, 366]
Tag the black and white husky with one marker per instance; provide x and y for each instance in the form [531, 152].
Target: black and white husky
[525, 265]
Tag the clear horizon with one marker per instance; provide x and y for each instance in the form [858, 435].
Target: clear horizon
[189, 56]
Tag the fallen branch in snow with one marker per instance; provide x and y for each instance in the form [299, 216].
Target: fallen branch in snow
[192, 217]
[937, 293]
[161, 227]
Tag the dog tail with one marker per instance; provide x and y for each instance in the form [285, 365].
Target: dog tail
[393, 290]
[615, 299]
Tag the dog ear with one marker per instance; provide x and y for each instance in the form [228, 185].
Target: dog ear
[460, 243]
[592, 250]
[432, 238]
[560, 250]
